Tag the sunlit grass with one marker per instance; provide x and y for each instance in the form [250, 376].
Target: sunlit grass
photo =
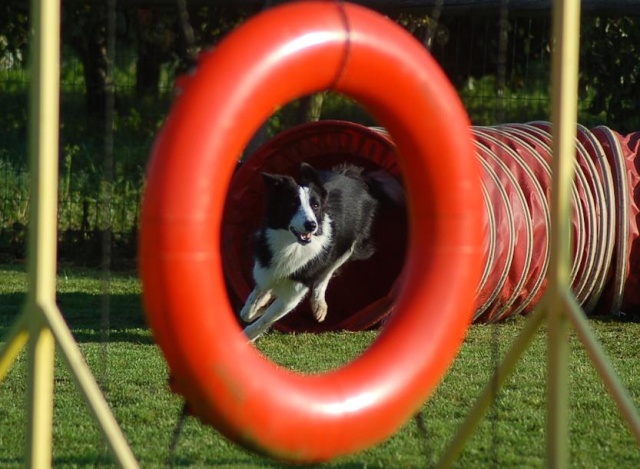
[133, 375]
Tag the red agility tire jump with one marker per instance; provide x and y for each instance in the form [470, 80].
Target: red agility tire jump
[282, 54]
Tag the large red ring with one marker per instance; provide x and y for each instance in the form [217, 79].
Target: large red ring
[277, 56]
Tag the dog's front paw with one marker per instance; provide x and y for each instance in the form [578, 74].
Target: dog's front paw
[247, 314]
[255, 306]
[250, 313]
[319, 309]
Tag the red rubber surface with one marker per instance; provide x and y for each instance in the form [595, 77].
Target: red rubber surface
[516, 184]
[631, 147]
[280, 55]
[626, 297]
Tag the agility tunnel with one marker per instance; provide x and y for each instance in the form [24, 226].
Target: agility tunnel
[516, 183]
[364, 292]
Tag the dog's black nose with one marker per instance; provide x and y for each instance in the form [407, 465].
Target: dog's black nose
[310, 225]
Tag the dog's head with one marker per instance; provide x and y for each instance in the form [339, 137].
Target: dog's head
[298, 208]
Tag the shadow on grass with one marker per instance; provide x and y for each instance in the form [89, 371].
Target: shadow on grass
[90, 317]
[79, 461]
[264, 462]
[91, 461]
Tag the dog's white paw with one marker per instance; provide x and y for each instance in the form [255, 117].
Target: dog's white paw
[255, 306]
[247, 314]
[251, 314]
[319, 309]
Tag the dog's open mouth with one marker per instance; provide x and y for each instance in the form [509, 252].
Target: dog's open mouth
[303, 238]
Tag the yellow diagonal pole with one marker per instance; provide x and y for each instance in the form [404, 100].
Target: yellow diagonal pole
[484, 401]
[13, 343]
[618, 391]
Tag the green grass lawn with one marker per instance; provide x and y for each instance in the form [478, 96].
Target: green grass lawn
[133, 375]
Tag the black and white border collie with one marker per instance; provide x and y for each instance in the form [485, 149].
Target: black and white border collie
[310, 230]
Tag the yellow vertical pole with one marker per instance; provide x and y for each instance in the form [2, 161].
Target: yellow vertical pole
[40, 321]
[43, 161]
[40, 417]
[564, 76]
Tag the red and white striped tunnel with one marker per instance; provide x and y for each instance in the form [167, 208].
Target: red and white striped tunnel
[516, 185]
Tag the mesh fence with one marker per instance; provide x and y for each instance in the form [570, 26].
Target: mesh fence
[113, 100]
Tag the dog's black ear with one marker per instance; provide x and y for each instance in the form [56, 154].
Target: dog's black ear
[309, 175]
[272, 180]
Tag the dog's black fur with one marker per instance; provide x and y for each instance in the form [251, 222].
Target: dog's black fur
[299, 249]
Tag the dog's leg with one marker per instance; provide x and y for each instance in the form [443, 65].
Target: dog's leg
[318, 302]
[254, 307]
[284, 303]
[262, 303]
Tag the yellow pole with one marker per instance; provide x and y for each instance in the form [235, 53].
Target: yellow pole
[618, 391]
[89, 389]
[559, 305]
[14, 342]
[508, 364]
[40, 395]
[40, 322]
[564, 78]
[43, 160]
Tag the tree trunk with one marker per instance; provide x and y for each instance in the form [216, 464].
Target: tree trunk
[93, 54]
[310, 108]
[148, 69]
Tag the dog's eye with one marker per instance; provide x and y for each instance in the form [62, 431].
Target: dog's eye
[315, 205]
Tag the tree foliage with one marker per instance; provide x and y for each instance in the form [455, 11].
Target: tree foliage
[514, 50]
[610, 54]
[14, 32]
